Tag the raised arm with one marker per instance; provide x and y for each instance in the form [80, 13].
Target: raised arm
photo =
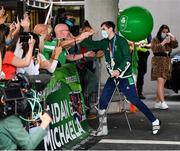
[18, 62]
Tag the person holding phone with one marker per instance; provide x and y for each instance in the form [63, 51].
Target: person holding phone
[38, 60]
[10, 61]
[162, 46]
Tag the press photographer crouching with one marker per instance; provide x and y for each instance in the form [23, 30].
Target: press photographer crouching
[19, 102]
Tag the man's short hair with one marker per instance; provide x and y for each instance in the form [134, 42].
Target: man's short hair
[109, 24]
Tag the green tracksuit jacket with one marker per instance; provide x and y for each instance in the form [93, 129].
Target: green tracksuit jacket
[121, 52]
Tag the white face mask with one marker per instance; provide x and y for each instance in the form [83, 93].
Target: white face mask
[163, 35]
[104, 34]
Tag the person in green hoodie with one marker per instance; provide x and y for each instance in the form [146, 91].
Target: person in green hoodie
[118, 64]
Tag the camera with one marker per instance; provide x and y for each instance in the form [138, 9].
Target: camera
[17, 98]
[24, 38]
[35, 52]
[13, 98]
[35, 55]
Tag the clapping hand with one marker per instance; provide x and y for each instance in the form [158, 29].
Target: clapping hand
[89, 54]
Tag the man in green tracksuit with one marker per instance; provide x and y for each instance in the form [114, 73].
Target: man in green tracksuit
[118, 63]
[13, 134]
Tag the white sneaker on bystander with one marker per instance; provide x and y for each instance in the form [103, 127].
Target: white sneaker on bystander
[164, 105]
[157, 105]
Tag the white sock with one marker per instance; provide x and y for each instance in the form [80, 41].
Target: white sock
[156, 122]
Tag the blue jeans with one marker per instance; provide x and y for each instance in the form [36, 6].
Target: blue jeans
[129, 90]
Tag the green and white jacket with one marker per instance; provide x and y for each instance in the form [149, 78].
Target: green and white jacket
[121, 58]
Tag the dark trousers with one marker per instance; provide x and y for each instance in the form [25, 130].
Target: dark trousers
[129, 91]
[142, 69]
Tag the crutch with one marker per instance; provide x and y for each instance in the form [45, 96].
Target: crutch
[124, 110]
[96, 104]
[105, 114]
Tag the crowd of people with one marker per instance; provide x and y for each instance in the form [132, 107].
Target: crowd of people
[32, 52]
[46, 48]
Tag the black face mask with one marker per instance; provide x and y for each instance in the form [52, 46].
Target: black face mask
[70, 22]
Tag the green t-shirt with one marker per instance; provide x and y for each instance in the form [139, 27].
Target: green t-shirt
[49, 47]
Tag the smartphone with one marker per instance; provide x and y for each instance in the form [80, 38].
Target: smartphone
[24, 38]
[35, 53]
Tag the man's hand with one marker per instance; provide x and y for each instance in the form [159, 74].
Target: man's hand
[100, 54]
[115, 73]
[89, 54]
[46, 119]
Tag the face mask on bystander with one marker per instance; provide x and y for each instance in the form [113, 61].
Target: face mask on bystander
[163, 35]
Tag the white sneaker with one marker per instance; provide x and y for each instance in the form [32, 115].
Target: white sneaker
[101, 112]
[156, 126]
[157, 105]
[101, 132]
[164, 106]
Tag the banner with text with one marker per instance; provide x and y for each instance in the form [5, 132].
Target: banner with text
[65, 100]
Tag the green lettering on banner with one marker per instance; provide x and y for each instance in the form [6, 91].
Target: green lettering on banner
[64, 98]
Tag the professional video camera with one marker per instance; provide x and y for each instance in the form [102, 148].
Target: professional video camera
[18, 98]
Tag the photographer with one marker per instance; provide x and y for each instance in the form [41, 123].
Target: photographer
[13, 133]
[38, 60]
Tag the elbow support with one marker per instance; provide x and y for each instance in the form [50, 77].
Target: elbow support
[53, 66]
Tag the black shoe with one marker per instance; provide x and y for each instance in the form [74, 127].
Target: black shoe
[141, 96]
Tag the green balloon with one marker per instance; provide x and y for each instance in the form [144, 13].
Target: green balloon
[135, 23]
